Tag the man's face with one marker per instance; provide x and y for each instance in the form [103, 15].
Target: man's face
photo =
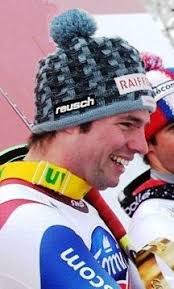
[163, 149]
[104, 151]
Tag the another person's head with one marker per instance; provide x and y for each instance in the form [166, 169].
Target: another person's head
[92, 102]
[160, 131]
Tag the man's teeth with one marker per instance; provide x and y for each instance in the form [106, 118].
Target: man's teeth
[119, 160]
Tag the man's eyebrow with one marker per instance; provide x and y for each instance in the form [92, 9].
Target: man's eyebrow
[132, 118]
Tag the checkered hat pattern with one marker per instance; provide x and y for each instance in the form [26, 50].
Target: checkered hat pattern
[87, 77]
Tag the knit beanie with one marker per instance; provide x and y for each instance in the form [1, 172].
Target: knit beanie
[162, 81]
[87, 78]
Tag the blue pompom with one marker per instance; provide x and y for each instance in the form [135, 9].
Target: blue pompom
[73, 23]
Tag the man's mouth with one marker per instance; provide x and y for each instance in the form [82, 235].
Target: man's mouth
[119, 160]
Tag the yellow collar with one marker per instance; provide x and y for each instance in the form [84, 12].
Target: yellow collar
[47, 175]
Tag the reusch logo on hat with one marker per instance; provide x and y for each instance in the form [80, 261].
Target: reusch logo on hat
[132, 82]
[70, 105]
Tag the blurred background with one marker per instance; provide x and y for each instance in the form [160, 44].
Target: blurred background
[146, 24]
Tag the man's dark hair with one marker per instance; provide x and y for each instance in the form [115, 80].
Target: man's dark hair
[85, 127]
[40, 139]
[37, 140]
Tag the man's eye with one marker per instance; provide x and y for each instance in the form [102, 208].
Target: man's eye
[127, 124]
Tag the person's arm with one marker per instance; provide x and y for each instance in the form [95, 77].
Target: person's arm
[39, 251]
[153, 237]
[65, 262]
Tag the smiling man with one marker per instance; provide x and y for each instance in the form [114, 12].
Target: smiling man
[86, 129]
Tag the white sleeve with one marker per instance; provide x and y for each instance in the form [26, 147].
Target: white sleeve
[153, 219]
[152, 225]
[135, 280]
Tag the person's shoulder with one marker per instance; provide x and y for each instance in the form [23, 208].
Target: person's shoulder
[21, 204]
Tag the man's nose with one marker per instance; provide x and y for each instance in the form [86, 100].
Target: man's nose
[138, 143]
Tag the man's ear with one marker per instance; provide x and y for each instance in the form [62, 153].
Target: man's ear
[151, 147]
